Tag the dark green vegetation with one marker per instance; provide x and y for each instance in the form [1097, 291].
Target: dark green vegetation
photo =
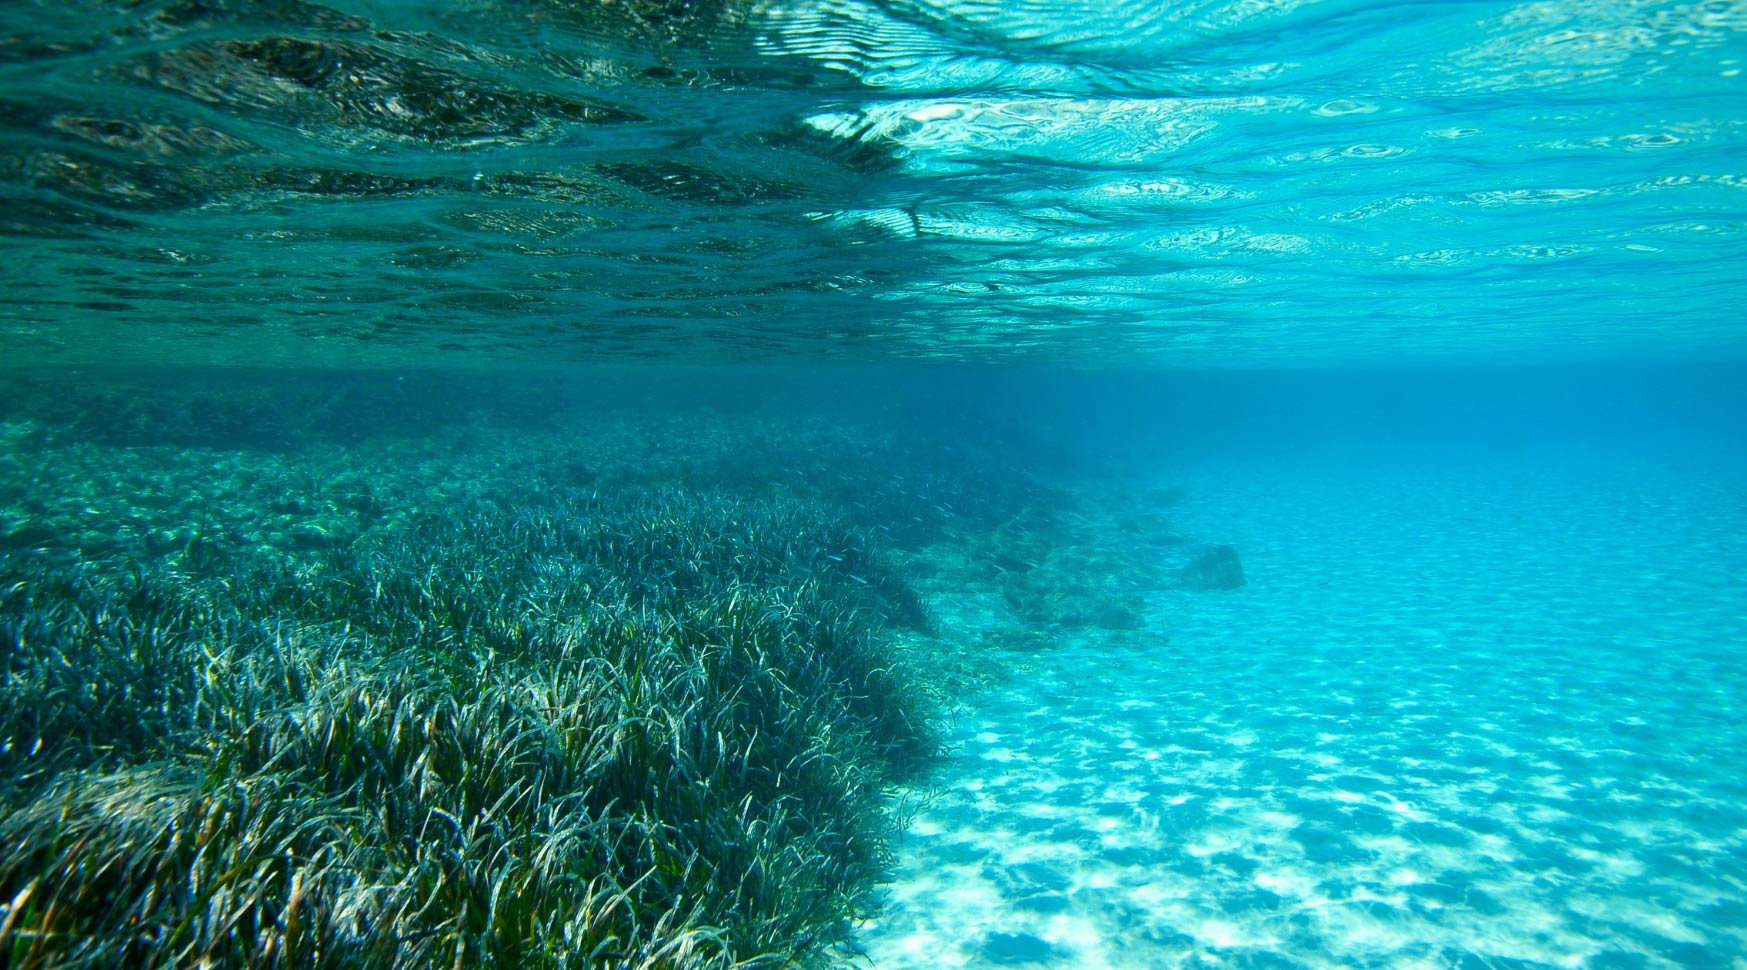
[304, 709]
[373, 671]
[649, 732]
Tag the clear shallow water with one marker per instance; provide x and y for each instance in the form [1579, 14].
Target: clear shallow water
[1481, 702]
[1187, 184]
[1470, 710]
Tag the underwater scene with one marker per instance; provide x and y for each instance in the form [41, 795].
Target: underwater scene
[873, 484]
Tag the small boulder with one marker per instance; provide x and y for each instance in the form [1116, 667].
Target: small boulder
[1011, 949]
[1217, 567]
[1112, 615]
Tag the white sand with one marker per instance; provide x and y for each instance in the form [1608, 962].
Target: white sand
[1467, 712]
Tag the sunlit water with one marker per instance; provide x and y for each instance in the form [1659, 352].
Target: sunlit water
[1193, 184]
[1473, 710]
[1481, 703]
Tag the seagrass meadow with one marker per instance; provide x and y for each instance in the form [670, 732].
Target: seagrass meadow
[361, 672]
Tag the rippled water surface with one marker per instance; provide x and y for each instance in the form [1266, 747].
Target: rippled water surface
[1240, 182]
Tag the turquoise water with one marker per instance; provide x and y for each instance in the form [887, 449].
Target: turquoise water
[1110, 184]
[829, 409]
[1470, 711]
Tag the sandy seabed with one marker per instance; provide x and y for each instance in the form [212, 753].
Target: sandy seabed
[1472, 710]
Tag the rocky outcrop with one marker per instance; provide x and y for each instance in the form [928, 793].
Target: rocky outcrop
[1076, 586]
[1216, 567]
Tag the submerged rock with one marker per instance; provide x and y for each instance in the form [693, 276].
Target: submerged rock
[1076, 586]
[1016, 948]
[1217, 567]
[1117, 616]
